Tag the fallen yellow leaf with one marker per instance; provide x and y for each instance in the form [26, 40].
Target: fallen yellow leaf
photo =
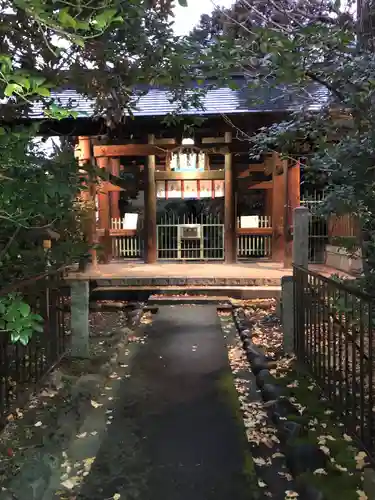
[94, 404]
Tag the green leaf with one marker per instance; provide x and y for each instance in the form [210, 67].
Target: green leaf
[10, 316]
[12, 88]
[24, 309]
[38, 327]
[43, 92]
[78, 41]
[24, 339]
[14, 337]
[36, 317]
[103, 19]
[233, 85]
[66, 19]
[37, 81]
[183, 3]
[22, 80]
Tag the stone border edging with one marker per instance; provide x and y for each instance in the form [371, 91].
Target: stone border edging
[300, 458]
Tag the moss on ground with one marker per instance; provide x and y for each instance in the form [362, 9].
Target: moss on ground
[343, 476]
[229, 392]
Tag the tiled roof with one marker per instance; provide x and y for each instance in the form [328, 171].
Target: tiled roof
[225, 100]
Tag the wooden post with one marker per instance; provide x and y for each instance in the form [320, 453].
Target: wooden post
[268, 202]
[278, 193]
[150, 208]
[84, 156]
[103, 201]
[115, 195]
[286, 238]
[104, 217]
[230, 230]
[294, 198]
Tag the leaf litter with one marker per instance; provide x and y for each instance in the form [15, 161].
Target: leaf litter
[273, 476]
[29, 430]
[325, 427]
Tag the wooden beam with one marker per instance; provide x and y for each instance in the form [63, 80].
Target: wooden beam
[150, 208]
[161, 150]
[230, 237]
[107, 187]
[213, 140]
[251, 168]
[255, 231]
[261, 185]
[207, 175]
[164, 141]
[115, 195]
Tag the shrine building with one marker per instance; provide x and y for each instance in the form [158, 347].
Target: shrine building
[190, 193]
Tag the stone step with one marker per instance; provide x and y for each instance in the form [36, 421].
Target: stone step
[176, 281]
[154, 294]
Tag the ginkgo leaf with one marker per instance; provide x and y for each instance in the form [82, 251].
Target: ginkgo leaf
[291, 494]
[116, 496]
[94, 404]
[361, 494]
[320, 472]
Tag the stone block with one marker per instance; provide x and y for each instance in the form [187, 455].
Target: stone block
[80, 319]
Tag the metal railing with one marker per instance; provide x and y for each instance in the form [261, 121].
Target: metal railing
[334, 326]
[318, 227]
[171, 246]
[21, 367]
[210, 247]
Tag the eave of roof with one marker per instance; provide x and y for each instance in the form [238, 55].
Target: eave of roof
[157, 101]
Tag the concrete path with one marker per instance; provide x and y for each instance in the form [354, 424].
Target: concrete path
[176, 432]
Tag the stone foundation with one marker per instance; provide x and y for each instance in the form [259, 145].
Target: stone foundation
[340, 259]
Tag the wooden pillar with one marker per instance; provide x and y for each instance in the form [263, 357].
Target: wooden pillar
[230, 230]
[286, 235]
[103, 198]
[104, 215]
[268, 202]
[278, 203]
[293, 181]
[85, 156]
[115, 195]
[150, 208]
